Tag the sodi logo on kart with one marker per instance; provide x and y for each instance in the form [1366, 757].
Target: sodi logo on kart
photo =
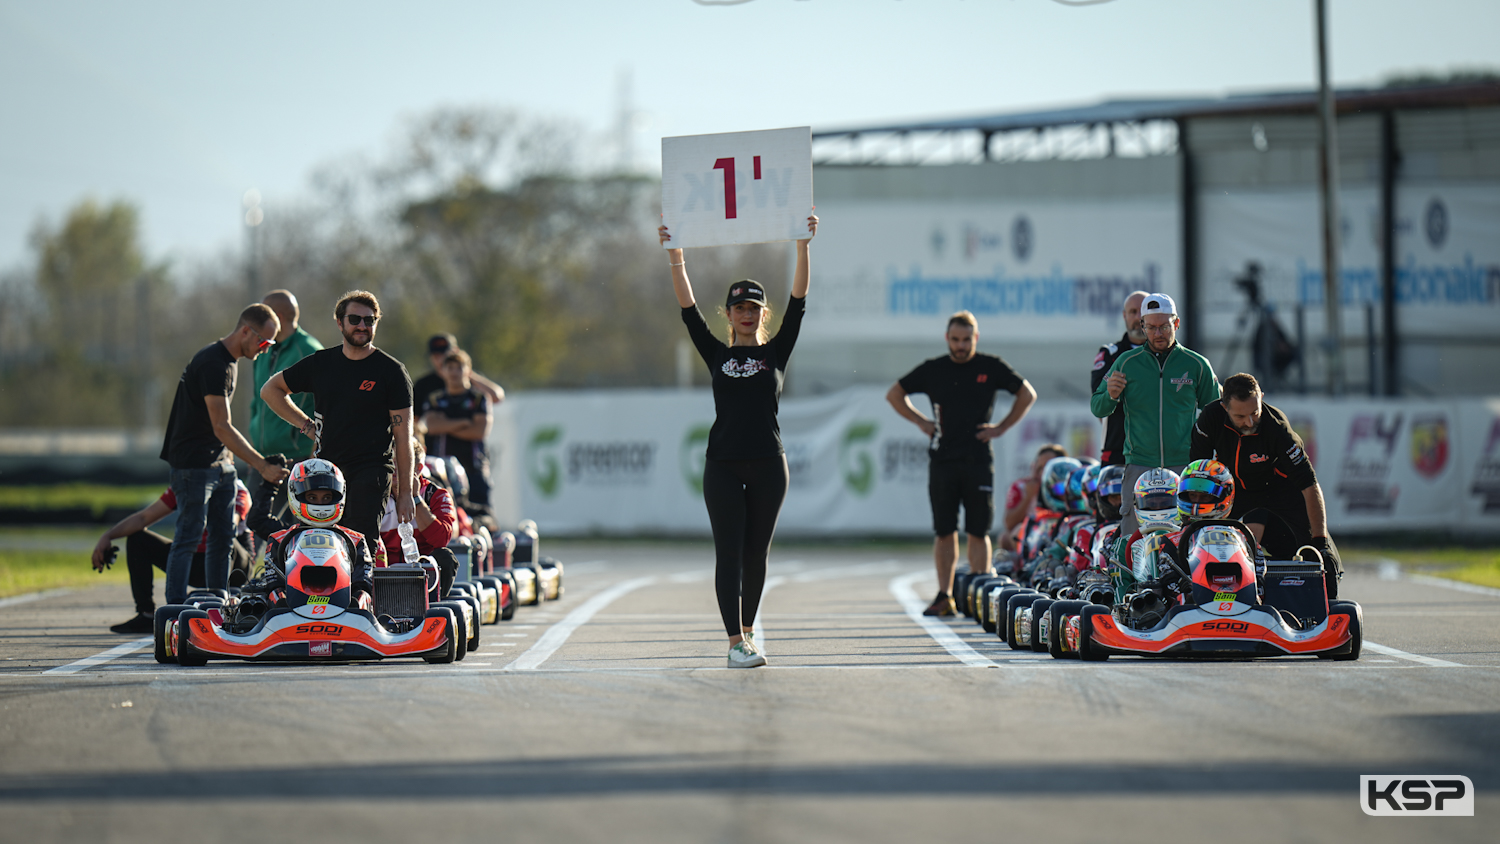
[1405, 795]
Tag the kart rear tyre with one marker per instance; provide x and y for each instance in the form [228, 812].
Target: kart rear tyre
[508, 611]
[997, 625]
[478, 620]
[1038, 612]
[489, 581]
[164, 615]
[450, 653]
[460, 624]
[1012, 608]
[1055, 631]
[187, 654]
[1356, 616]
[1087, 650]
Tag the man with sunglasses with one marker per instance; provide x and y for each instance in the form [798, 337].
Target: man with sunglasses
[1160, 386]
[200, 445]
[362, 419]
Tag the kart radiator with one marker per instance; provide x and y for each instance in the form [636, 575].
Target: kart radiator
[400, 592]
[1297, 588]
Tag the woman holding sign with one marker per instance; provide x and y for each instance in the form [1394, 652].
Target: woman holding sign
[745, 473]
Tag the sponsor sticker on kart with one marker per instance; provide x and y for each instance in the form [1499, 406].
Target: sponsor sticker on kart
[1225, 596]
[320, 649]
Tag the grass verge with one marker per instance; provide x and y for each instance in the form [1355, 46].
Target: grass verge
[96, 497]
[1480, 566]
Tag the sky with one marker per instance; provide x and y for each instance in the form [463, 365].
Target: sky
[180, 108]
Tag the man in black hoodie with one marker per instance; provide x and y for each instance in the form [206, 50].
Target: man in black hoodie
[1113, 453]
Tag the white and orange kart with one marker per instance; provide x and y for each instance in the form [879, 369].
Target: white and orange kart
[308, 617]
[1227, 612]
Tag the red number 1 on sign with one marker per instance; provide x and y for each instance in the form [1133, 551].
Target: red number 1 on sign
[731, 208]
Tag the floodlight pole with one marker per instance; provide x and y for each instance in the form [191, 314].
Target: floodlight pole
[1328, 180]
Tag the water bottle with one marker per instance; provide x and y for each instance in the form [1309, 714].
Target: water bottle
[408, 543]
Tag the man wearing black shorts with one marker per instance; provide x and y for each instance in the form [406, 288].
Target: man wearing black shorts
[961, 468]
[1277, 494]
[363, 416]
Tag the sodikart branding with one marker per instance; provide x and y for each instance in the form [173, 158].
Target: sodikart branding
[1367, 463]
[1409, 795]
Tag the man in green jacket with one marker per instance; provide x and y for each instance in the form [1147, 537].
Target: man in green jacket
[1161, 387]
[268, 432]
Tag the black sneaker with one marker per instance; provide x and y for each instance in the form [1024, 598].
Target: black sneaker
[136, 626]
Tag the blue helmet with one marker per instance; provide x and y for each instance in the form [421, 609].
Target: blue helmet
[1054, 493]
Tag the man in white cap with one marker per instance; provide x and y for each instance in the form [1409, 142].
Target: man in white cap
[1160, 386]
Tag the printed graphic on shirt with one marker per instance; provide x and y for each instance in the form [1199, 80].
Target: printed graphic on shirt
[744, 368]
[1258, 458]
[1295, 454]
[1100, 359]
[1183, 380]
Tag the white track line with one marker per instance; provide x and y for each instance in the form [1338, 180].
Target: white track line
[900, 587]
[558, 633]
[32, 596]
[1430, 662]
[106, 656]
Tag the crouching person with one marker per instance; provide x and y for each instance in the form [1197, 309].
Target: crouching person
[315, 498]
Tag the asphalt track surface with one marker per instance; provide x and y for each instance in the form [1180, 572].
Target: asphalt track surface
[609, 716]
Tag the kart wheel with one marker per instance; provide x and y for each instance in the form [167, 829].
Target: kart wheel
[186, 653]
[998, 625]
[960, 590]
[494, 583]
[164, 615]
[1056, 633]
[1087, 650]
[508, 611]
[1356, 616]
[462, 587]
[460, 626]
[1012, 609]
[1039, 627]
[541, 593]
[478, 608]
[450, 653]
[979, 598]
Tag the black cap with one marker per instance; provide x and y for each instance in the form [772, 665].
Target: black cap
[439, 343]
[745, 290]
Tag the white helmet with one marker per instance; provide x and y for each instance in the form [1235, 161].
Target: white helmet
[310, 475]
[1156, 501]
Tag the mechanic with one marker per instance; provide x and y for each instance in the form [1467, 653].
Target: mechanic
[438, 347]
[198, 446]
[1279, 499]
[1113, 453]
[434, 527]
[364, 415]
[961, 465]
[457, 419]
[1021, 497]
[269, 433]
[744, 472]
[145, 549]
[316, 495]
[1160, 386]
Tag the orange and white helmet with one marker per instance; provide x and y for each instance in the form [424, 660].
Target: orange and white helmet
[311, 475]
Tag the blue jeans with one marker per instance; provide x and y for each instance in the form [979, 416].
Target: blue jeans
[205, 498]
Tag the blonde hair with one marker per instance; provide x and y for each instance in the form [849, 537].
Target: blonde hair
[762, 336]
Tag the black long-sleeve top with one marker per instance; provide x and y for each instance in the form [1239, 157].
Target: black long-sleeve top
[747, 382]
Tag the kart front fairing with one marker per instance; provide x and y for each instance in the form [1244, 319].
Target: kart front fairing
[299, 635]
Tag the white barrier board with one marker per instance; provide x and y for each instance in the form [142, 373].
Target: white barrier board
[736, 187]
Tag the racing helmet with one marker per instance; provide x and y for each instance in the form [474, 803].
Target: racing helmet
[1090, 486]
[1111, 482]
[435, 469]
[1156, 501]
[1055, 474]
[1076, 496]
[1215, 487]
[310, 475]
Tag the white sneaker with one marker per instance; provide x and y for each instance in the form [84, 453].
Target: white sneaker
[744, 655]
[750, 637]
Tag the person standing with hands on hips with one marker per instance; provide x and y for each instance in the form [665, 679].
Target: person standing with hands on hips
[961, 464]
[745, 474]
[363, 412]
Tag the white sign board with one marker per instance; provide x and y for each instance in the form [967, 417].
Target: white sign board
[736, 187]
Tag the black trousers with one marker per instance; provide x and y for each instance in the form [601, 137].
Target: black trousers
[147, 550]
[744, 500]
[365, 494]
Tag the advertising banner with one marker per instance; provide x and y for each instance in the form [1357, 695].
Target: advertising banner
[626, 462]
[1028, 269]
[736, 187]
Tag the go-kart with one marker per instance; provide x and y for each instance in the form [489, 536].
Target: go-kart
[1217, 606]
[306, 614]
[547, 572]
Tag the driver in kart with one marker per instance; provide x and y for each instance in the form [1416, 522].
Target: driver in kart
[1205, 490]
[315, 498]
[1155, 501]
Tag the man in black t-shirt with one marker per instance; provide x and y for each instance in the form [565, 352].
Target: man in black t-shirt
[1113, 453]
[1277, 494]
[457, 418]
[961, 468]
[363, 409]
[438, 347]
[200, 439]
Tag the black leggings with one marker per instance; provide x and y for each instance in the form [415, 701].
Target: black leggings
[744, 501]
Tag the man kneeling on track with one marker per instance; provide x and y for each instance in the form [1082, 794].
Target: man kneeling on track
[433, 527]
[145, 549]
[315, 495]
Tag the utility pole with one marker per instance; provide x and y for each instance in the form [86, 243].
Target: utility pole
[254, 216]
[1328, 181]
